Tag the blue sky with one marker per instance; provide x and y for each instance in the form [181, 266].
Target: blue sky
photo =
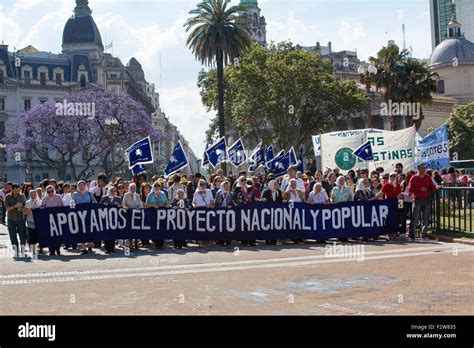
[146, 29]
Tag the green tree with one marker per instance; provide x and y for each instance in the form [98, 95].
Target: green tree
[217, 36]
[402, 79]
[281, 95]
[461, 131]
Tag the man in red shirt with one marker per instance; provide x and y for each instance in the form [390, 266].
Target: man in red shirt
[420, 186]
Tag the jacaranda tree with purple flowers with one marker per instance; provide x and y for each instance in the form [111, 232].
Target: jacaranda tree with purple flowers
[75, 141]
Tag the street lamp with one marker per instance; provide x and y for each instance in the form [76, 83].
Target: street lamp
[111, 125]
[366, 77]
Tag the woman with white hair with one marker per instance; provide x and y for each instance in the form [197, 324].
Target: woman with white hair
[203, 198]
[31, 204]
[243, 195]
[318, 195]
[292, 194]
[273, 195]
[341, 193]
[52, 199]
[224, 201]
[132, 200]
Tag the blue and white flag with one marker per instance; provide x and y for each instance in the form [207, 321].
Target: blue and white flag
[138, 169]
[257, 158]
[217, 153]
[433, 150]
[270, 154]
[177, 161]
[364, 152]
[281, 165]
[236, 153]
[205, 161]
[279, 157]
[140, 153]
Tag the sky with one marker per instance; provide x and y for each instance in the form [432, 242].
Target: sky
[150, 29]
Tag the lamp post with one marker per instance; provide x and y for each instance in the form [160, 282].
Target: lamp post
[366, 77]
[111, 125]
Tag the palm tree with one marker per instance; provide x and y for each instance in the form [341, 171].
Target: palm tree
[417, 86]
[389, 62]
[218, 36]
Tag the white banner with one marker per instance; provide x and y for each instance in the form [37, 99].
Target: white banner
[317, 145]
[388, 147]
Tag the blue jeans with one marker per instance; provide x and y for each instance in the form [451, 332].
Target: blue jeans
[425, 206]
[14, 228]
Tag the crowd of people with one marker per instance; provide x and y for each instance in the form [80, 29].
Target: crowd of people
[413, 190]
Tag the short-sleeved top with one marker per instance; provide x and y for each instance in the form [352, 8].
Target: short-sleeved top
[10, 201]
[318, 197]
[391, 191]
[30, 222]
[80, 198]
[203, 199]
[153, 199]
[342, 195]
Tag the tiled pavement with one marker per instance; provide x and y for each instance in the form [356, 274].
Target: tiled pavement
[403, 277]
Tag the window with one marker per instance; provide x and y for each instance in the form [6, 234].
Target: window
[2, 129]
[2, 104]
[27, 77]
[27, 104]
[441, 87]
[37, 178]
[42, 101]
[2, 77]
[113, 76]
[58, 79]
[45, 176]
[43, 79]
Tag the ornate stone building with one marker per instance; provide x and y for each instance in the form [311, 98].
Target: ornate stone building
[256, 22]
[29, 77]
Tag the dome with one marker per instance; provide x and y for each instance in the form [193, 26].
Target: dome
[451, 48]
[81, 27]
[249, 3]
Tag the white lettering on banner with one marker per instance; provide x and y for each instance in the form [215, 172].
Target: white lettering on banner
[52, 226]
[253, 220]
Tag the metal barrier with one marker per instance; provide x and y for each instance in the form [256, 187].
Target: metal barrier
[453, 208]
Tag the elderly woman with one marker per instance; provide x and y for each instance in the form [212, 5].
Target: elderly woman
[341, 193]
[132, 200]
[292, 194]
[318, 195]
[224, 200]
[243, 195]
[272, 194]
[157, 199]
[362, 190]
[177, 185]
[181, 202]
[112, 199]
[52, 199]
[203, 199]
[32, 203]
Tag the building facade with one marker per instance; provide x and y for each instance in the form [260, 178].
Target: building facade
[29, 77]
[256, 22]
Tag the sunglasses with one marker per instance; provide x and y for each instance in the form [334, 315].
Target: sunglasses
[393, 176]
[50, 191]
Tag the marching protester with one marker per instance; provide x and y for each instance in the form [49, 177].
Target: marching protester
[293, 194]
[224, 200]
[180, 202]
[14, 204]
[157, 199]
[244, 195]
[203, 199]
[31, 204]
[113, 200]
[177, 185]
[292, 172]
[272, 195]
[132, 200]
[362, 190]
[52, 199]
[341, 193]
[407, 202]
[421, 186]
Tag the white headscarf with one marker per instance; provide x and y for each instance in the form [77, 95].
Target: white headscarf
[360, 185]
[271, 185]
